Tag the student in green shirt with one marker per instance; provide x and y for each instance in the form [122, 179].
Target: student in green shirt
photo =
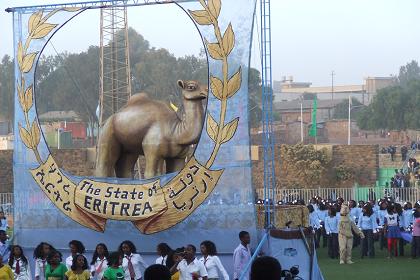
[55, 270]
[114, 270]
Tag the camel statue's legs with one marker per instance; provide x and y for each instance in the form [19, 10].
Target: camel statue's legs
[174, 164]
[154, 162]
[108, 151]
[124, 168]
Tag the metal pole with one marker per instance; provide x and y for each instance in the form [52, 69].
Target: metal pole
[248, 265]
[58, 139]
[332, 84]
[349, 124]
[301, 120]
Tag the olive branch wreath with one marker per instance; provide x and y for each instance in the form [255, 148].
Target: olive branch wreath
[38, 28]
[223, 88]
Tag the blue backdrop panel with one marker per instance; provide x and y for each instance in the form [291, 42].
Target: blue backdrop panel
[293, 252]
[228, 209]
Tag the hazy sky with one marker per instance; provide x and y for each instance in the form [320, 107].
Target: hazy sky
[355, 38]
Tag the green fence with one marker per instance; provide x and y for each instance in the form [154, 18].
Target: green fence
[385, 175]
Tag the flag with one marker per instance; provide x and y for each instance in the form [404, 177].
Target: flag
[312, 131]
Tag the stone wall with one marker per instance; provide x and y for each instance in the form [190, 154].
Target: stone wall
[74, 161]
[6, 171]
[361, 159]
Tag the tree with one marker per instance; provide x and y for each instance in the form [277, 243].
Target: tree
[395, 108]
[71, 83]
[255, 102]
[409, 72]
[307, 163]
[341, 111]
[7, 88]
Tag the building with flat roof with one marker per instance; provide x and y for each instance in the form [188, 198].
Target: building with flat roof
[288, 89]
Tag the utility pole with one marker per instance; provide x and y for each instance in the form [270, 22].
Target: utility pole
[332, 84]
[349, 124]
[301, 119]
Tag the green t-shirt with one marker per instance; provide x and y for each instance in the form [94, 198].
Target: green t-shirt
[57, 274]
[113, 273]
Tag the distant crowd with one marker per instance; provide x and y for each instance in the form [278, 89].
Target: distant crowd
[390, 224]
[409, 176]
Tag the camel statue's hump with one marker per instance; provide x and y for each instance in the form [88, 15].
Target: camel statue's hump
[142, 99]
[138, 97]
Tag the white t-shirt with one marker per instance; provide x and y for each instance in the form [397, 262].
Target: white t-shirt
[186, 270]
[391, 220]
[69, 262]
[98, 268]
[213, 266]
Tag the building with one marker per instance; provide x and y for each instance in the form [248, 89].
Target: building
[63, 128]
[288, 89]
[290, 111]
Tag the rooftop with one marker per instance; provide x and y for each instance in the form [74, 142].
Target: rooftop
[294, 105]
[60, 116]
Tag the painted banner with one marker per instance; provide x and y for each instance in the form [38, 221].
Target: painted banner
[149, 206]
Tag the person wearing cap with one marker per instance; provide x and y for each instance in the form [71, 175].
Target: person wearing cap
[345, 235]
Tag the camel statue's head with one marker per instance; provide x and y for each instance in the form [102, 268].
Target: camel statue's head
[192, 90]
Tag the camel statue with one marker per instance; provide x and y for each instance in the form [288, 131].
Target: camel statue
[150, 128]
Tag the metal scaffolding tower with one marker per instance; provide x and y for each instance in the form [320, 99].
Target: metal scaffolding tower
[267, 111]
[115, 77]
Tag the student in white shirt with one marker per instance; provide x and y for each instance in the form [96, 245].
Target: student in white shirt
[163, 250]
[99, 262]
[3, 222]
[211, 261]
[41, 253]
[241, 256]
[76, 248]
[132, 262]
[189, 267]
[19, 264]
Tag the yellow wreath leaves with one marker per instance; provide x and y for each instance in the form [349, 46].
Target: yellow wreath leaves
[38, 28]
[212, 128]
[225, 87]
